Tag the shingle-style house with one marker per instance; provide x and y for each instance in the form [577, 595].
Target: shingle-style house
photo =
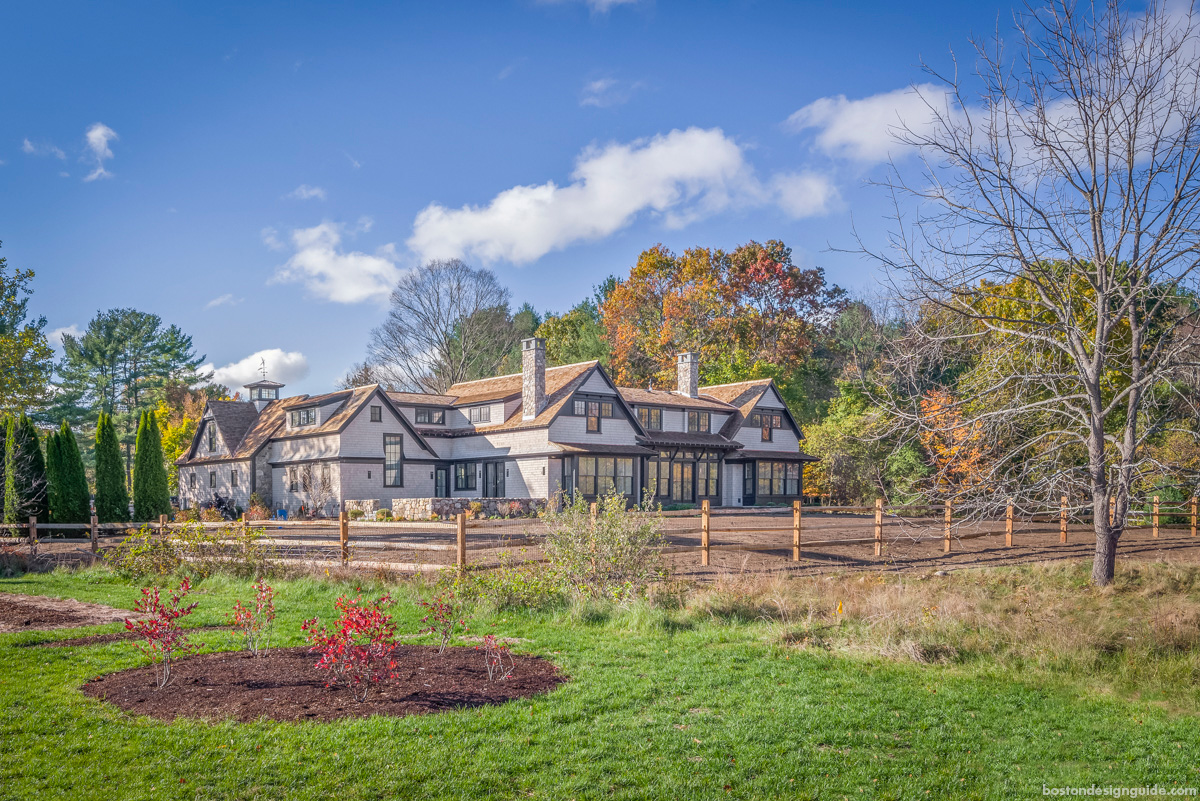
[521, 436]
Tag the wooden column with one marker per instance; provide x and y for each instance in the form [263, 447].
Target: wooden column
[33, 539]
[95, 538]
[162, 526]
[344, 535]
[879, 526]
[795, 531]
[461, 555]
[1154, 519]
[704, 532]
[1193, 515]
[595, 509]
[1062, 519]
[1008, 514]
[946, 536]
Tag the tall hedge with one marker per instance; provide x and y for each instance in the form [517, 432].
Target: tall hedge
[29, 466]
[151, 497]
[54, 482]
[12, 501]
[74, 497]
[112, 498]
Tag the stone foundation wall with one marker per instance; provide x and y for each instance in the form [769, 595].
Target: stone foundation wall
[424, 508]
[368, 508]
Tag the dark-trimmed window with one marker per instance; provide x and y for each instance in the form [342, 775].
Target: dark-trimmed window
[436, 416]
[192, 480]
[464, 476]
[393, 460]
[293, 475]
[376, 414]
[698, 422]
[212, 437]
[481, 414]
[778, 478]
[600, 475]
[767, 422]
[593, 417]
[706, 478]
[233, 478]
[212, 479]
[303, 417]
[650, 417]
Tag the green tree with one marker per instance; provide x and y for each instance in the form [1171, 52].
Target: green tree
[112, 498]
[575, 336]
[73, 497]
[26, 360]
[25, 473]
[54, 482]
[151, 497]
[12, 501]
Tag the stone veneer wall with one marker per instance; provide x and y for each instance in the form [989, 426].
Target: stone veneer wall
[424, 508]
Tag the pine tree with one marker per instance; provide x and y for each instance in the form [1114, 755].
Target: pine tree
[54, 478]
[74, 496]
[151, 497]
[112, 498]
[30, 467]
[12, 502]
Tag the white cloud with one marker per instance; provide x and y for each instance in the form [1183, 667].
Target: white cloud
[607, 92]
[355, 163]
[306, 192]
[98, 136]
[680, 177]
[865, 129]
[42, 149]
[283, 366]
[228, 299]
[331, 273]
[270, 238]
[55, 337]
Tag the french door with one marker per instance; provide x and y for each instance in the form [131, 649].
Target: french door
[493, 479]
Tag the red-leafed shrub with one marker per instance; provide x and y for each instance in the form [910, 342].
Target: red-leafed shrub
[358, 650]
[254, 622]
[443, 618]
[162, 638]
[499, 659]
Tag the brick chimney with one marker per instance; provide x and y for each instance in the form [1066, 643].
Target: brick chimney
[687, 371]
[533, 377]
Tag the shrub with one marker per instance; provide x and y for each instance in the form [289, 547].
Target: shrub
[151, 497]
[383, 514]
[238, 550]
[358, 651]
[211, 515]
[162, 638]
[444, 614]
[499, 659]
[617, 554]
[355, 514]
[143, 554]
[254, 623]
[256, 513]
[474, 509]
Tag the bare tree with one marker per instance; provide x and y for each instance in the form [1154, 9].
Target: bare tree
[447, 323]
[317, 486]
[1053, 247]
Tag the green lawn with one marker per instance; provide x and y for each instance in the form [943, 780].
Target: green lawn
[661, 704]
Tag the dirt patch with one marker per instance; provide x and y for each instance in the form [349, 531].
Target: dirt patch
[39, 613]
[117, 636]
[283, 684]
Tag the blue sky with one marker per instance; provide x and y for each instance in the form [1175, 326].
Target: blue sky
[258, 174]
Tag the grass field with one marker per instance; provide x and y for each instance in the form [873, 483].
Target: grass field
[973, 685]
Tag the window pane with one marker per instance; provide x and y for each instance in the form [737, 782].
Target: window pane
[422, 415]
[656, 419]
[393, 460]
[580, 408]
[776, 478]
[606, 409]
[439, 416]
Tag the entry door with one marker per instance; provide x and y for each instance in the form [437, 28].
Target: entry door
[748, 484]
[441, 482]
[682, 483]
[493, 479]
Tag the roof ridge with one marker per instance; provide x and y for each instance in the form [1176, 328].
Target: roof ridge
[588, 363]
[737, 383]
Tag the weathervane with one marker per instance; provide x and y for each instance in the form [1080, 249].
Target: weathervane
[262, 367]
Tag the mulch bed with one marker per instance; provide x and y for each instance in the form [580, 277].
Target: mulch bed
[118, 636]
[283, 684]
[39, 613]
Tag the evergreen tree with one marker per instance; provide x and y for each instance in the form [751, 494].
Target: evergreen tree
[30, 472]
[112, 498]
[12, 503]
[54, 478]
[74, 497]
[151, 497]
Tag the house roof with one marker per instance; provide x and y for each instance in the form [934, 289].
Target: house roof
[233, 419]
[421, 398]
[778, 456]
[268, 422]
[656, 439]
[504, 387]
[243, 429]
[597, 448]
[662, 397]
[561, 383]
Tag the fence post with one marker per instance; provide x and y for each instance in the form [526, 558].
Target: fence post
[344, 535]
[1154, 529]
[704, 532]
[1008, 524]
[595, 509]
[879, 526]
[1193, 515]
[162, 526]
[795, 531]
[1062, 519]
[95, 538]
[33, 540]
[461, 558]
[946, 536]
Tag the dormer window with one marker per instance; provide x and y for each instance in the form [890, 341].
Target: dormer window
[650, 417]
[303, 417]
[434, 416]
[480, 414]
[698, 422]
[264, 393]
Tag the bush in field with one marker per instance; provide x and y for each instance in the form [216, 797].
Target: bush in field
[237, 550]
[617, 554]
[443, 618]
[497, 657]
[162, 638]
[355, 514]
[142, 554]
[257, 513]
[358, 650]
[254, 622]
[383, 514]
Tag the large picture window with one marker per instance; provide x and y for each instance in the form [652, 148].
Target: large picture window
[778, 478]
[600, 475]
[464, 476]
[303, 417]
[393, 460]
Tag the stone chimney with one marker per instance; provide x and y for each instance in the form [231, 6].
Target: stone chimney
[687, 371]
[533, 377]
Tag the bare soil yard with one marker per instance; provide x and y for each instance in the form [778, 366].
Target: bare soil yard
[38, 613]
